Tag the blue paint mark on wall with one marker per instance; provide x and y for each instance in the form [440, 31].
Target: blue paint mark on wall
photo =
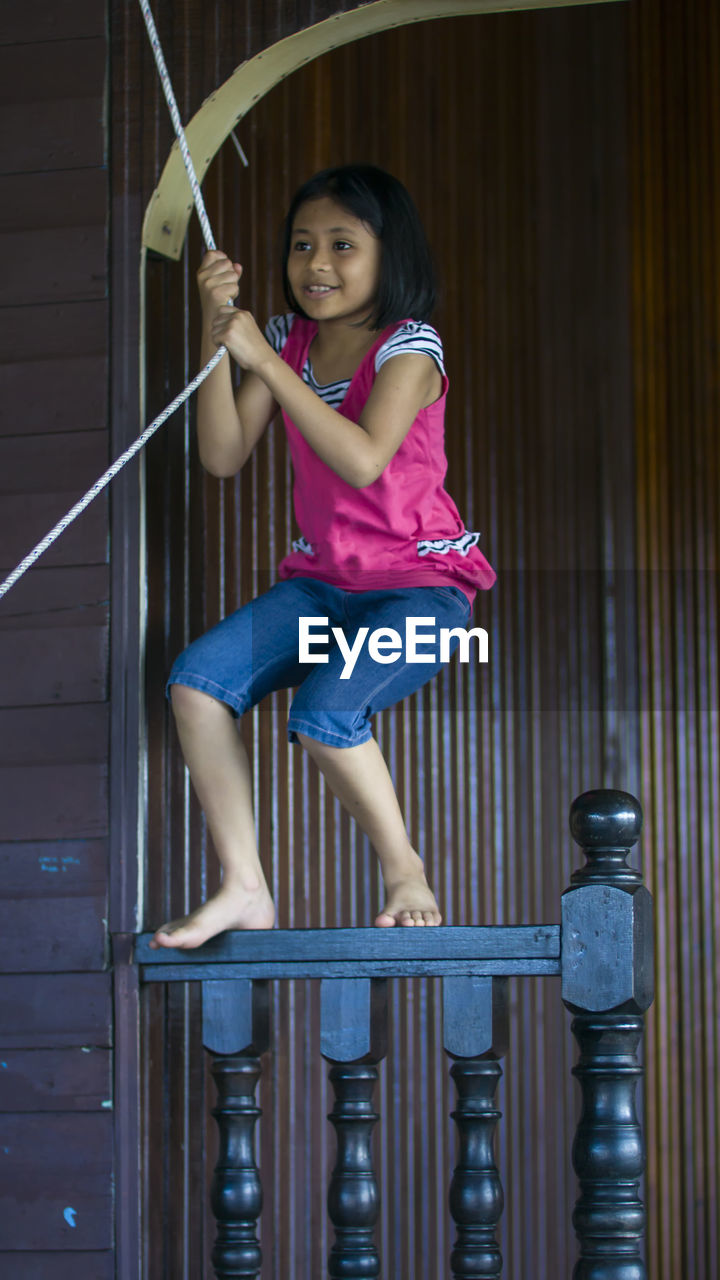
[69, 1216]
[51, 863]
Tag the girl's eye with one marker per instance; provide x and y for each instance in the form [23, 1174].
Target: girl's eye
[342, 244]
[300, 245]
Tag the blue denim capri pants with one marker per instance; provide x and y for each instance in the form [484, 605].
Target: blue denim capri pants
[256, 651]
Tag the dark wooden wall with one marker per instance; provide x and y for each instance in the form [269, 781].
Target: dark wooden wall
[586, 403]
[511, 131]
[589, 142]
[675, 183]
[56, 1205]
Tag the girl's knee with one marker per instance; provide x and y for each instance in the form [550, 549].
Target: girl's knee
[321, 750]
[315, 746]
[310, 744]
[190, 704]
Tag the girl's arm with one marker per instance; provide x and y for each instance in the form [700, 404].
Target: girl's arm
[228, 425]
[358, 452]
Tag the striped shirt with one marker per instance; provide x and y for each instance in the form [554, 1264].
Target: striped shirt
[414, 336]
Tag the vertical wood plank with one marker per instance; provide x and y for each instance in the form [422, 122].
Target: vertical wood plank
[675, 149]
[56, 1015]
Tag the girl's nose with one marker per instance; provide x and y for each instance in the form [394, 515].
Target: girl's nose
[319, 260]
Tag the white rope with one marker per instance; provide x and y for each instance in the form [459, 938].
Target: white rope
[184, 395]
[110, 474]
[177, 124]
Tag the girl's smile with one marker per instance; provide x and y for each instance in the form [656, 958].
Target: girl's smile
[334, 263]
[318, 290]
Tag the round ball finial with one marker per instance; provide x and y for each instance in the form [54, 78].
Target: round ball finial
[605, 820]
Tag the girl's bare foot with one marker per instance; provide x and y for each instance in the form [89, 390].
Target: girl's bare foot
[410, 901]
[229, 908]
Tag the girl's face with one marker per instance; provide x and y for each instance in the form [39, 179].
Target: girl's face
[334, 263]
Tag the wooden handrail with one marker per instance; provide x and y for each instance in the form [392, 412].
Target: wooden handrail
[359, 953]
[603, 951]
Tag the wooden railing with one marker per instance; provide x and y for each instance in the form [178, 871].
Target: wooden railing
[603, 952]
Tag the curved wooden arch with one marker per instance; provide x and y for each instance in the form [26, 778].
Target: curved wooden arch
[169, 210]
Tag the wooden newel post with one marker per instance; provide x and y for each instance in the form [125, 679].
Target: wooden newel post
[236, 1032]
[475, 1035]
[353, 1040]
[607, 983]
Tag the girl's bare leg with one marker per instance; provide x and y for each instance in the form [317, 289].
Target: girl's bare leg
[220, 772]
[360, 779]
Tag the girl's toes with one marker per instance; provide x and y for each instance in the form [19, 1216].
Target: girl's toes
[385, 920]
[410, 918]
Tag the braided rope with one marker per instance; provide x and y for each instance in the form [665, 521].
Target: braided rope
[109, 475]
[177, 124]
[184, 395]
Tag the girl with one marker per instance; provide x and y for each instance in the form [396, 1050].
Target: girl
[358, 375]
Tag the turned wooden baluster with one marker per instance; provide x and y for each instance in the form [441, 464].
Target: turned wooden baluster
[353, 1040]
[475, 1034]
[607, 982]
[235, 1031]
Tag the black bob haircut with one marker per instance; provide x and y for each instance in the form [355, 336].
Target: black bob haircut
[407, 277]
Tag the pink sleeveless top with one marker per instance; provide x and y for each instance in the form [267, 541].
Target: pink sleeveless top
[403, 530]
